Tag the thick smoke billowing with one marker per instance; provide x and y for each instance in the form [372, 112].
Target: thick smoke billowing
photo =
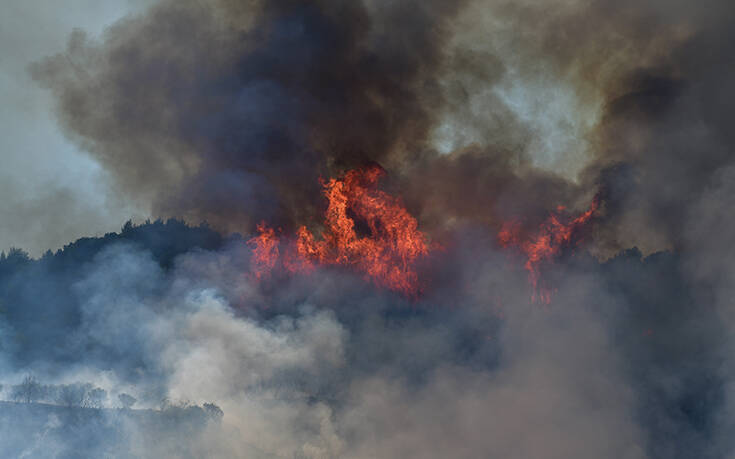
[480, 111]
[231, 111]
[246, 104]
[329, 366]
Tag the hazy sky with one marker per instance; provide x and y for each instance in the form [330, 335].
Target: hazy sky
[51, 192]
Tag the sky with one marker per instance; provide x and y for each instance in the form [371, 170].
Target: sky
[47, 182]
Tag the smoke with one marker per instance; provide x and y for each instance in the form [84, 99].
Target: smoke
[481, 112]
[712, 275]
[326, 365]
[244, 106]
[230, 112]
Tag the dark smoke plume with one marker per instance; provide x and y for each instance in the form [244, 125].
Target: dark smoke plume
[231, 111]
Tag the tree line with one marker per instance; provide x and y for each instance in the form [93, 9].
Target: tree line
[86, 395]
[82, 395]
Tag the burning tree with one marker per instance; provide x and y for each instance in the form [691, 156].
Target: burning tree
[366, 229]
[545, 244]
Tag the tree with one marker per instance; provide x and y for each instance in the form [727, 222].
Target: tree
[127, 400]
[71, 395]
[27, 391]
[128, 227]
[95, 398]
[213, 411]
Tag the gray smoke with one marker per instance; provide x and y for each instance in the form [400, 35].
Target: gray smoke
[480, 111]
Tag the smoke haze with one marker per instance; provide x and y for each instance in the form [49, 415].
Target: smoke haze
[484, 115]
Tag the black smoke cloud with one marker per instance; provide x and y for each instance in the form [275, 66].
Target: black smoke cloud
[230, 112]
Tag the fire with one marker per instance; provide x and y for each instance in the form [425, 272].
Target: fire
[547, 243]
[265, 251]
[385, 249]
[370, 232]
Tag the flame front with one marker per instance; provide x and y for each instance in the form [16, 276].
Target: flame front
[388, 243]
[386, 254]
[546, 244]
[265, 251]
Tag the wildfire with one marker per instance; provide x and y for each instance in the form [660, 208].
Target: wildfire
[370, 232]
[385, 250]
[548, 242]
[265, 251]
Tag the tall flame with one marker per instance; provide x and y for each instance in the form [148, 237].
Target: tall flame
[265, 251]
[371, 232]
[553, 236]
[386, 252]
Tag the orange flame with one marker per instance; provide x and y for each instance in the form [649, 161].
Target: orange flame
[546, 244]
[265, 251]
[386, 253]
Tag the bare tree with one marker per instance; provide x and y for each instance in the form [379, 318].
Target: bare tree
[27, 391]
